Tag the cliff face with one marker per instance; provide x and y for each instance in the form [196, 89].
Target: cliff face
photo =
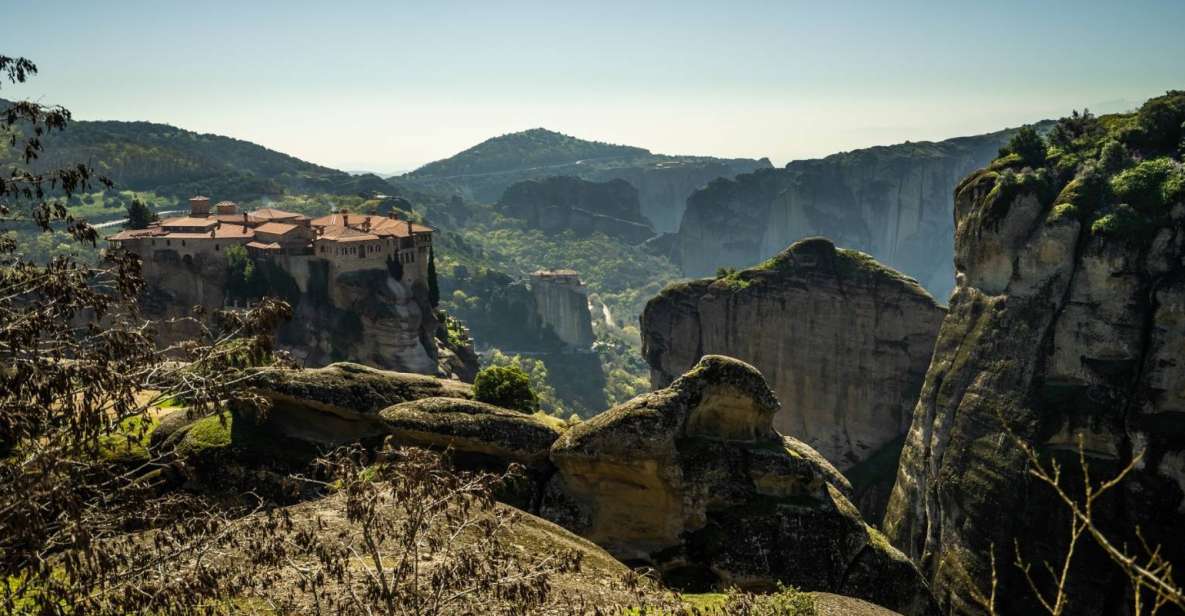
[1066, 326]
[563, 307]
[892, 202]
[664, 186]
[363, 315]
[843, 341]
[564, 203]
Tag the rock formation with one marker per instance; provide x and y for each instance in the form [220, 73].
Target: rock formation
[1065, 328]
[563, 203]
[362, 315]
[562, 304]
[694, 480]
[665, 184]
[340, 403]
[892, 202]
[842, 340]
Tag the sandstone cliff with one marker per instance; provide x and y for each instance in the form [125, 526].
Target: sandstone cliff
[665, 184]
[1066, 326]
[694, 480]
[562, 203]
[362, 315]
[561, 301]
[843, 341]
[892, 202]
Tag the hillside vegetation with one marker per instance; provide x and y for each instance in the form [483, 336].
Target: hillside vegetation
[529, 148]
[144, 156]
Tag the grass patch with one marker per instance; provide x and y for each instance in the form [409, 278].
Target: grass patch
[128, 444]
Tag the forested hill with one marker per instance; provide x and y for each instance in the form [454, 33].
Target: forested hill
[537, 147]
[482, 172]
[167, 160]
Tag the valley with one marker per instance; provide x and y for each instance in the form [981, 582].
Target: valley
[556, 375]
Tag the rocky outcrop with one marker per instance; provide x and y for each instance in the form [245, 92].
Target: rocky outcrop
[1066, 328]
[842, 340]
[563, 203]
[340, 403]
[665, 184]
[366, 315]
[561, 301]
[471, 427]
[694, 480]
[891, 202]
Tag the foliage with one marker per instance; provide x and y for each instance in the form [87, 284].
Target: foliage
[1122, 222]
[1151, 185]
[530, 148]
[1028, 145]
[76, 358]
[1076, 131]
[139, 216]
[433, 283]
[1114, 157]
[506, 386]
[538, 376]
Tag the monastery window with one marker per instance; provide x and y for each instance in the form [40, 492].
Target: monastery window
[182, 242]
[216, 248]
[168, 242]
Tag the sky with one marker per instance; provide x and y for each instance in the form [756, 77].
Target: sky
[388, 86]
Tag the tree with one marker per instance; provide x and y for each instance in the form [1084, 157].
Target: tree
[139, 216]
[1028, 145]
[433, 284]
[78, 368]
[506, 386]
[1074, 130]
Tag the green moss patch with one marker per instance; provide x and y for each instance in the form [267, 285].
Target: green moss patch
[128, 444]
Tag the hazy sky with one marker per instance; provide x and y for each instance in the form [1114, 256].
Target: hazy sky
[390, 85]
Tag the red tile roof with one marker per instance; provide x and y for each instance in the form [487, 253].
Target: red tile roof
[263, 246]
[188, 221]
[275, 228]
[339, 233]
[270, 213]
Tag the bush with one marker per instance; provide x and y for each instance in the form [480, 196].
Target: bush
[507, 387]
[1151, 185]
[1028, 145]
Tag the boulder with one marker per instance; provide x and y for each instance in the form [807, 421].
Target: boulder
[340, 403]
[471, 427]
[694, 481]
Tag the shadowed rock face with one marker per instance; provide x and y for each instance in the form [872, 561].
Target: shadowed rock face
[562, 203]
[364, 315]
[694, 480]
[843, 341]
[1067, 334]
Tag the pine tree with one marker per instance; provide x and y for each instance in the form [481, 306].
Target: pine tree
[139, 216]
[433, 285]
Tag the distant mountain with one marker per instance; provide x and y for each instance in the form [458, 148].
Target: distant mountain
[145, 156]
[520, 151]
[484, 171]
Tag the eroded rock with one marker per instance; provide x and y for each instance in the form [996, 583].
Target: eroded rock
[843, 341]
[694, 480]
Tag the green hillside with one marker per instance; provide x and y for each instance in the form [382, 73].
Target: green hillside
[149, 157]
[530, 148]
